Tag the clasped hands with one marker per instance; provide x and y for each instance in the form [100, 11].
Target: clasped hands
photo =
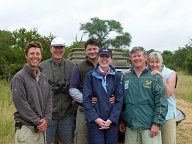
[103, 124]
[43, 125]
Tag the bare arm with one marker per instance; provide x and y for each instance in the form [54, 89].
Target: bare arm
[169, 84]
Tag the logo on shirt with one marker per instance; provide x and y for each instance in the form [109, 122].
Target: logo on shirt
[148, 84]
[105, 50]
[126, 84]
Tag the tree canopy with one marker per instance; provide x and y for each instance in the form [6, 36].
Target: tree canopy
[104, 30]
[12, 45]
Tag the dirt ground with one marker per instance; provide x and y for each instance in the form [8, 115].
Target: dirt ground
[184, 129]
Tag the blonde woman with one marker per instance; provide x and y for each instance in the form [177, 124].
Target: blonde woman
[168, 76]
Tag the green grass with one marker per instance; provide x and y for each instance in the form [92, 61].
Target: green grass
[6, 115]
[184, 87]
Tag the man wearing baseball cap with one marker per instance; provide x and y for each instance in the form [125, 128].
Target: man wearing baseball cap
[58, 71]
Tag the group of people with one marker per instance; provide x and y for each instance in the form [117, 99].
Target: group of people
[139, 103]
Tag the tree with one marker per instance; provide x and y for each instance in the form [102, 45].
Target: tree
[181, 55]
[168, 59]
[103, 30]
[77, 44]
[22, 37]
[127, 52]
[12, 45]
[188, 64]
[6, 54]
[46, 42]
[5, 39]
[149, 51]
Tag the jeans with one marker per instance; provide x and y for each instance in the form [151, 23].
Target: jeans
[63, 128]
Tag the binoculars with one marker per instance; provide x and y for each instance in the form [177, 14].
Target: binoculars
[60, 88]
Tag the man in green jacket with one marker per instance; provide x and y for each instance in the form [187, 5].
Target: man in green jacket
[145, 104]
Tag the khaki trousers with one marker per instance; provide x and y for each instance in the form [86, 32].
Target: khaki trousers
[25, 135]
[81, 132]
[141, 137]
[168, 132]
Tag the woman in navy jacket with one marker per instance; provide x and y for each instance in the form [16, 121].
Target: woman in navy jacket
[103, 117]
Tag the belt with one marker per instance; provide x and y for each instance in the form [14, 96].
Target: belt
[78, 103]
[33, 128]
[18, 125]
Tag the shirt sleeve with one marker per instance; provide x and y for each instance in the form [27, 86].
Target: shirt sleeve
[160, 102]
[74, 85]
[21, 103]
[115, 113]
[49, 108]
[90, 111]
[75, 78]
[76, 95]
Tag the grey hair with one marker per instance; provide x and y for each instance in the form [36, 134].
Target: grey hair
[138, 48]
[156, 55]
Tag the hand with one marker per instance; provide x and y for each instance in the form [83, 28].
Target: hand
[128, 71]
[108, 123]
[103, 127]
[101, 123]
[157, 72]
[94, 100]
[43, 125]
[154, 131]
[122, 126]
[112, 99]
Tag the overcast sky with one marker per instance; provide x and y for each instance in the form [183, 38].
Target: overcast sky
[153, 24]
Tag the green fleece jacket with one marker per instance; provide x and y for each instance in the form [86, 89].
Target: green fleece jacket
[145, 101]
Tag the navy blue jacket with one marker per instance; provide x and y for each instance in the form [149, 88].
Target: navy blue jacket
[102, 88]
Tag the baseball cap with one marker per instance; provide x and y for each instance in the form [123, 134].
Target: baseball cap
[105, 51]
[58, 41]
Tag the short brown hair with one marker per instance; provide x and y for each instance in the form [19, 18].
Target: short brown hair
[33, 44]
[138, 48]
[92, 41]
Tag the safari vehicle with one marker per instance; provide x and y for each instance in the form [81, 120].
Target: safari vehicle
[121, 62]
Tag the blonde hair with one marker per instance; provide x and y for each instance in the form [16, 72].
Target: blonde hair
[156, 55]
